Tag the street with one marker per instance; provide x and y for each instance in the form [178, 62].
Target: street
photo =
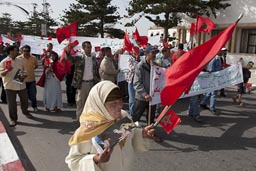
[225, 142]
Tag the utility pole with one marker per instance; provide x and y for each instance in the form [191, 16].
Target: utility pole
[46, 13]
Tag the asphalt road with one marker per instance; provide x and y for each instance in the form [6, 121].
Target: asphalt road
[226, 142]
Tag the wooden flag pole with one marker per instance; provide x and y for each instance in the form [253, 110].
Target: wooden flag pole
[149, 114]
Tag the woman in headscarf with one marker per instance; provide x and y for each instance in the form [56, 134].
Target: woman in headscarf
[102, 109]
[50, 80]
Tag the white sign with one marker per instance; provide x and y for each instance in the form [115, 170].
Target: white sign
[205, 82]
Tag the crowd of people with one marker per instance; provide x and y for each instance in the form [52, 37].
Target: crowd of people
[92, 86]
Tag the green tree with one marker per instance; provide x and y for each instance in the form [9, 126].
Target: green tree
[93, 17]
[34, 23]
[5, 23]
[174, 10]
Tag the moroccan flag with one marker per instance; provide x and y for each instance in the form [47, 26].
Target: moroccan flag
[142, 41]
[62, 34]
[181, 75]
[192, 29]
[204, 24]
[72, 26]
[169, 120]
[127, 45]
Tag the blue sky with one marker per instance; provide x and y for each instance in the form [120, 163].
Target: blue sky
[57, 7]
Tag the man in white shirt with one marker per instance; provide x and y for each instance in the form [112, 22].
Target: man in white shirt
[10, 67]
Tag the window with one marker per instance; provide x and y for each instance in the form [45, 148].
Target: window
[248, 41]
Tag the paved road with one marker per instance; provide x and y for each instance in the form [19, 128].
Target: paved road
[225, 142]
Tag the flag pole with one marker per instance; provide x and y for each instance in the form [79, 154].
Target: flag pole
[149, 114]
[159, 120]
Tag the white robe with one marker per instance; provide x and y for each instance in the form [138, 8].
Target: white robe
[80, 157]
[52, 91]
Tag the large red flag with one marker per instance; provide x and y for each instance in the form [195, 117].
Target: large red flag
[141, 40]
[204, 24]
[180, 76]
[127, 45]
[169, 120]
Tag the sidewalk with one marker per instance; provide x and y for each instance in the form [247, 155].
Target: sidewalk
[9, 160]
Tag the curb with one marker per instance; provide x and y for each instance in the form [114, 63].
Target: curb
[9, 160]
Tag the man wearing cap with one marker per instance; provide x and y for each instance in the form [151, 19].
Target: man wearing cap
[141, 84]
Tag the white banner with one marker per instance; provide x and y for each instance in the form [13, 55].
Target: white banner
[205, 82]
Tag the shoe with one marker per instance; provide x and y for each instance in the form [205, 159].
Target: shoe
[241, 104]
[35, 109]
[214, 112]
[29, 116]
[57, 110]
[13, 123]
[198, 119]
[204, 106]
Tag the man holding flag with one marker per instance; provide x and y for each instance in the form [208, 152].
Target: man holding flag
[141, 84]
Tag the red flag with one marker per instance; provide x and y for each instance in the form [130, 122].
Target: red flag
[50, 38]
[169, 121]
[1, 40]
[62, 34]
[192, 29]
[127, 43]
[204, 24]
[181, 75]
[72, 27]
[141, 40]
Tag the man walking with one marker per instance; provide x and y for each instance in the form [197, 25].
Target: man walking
[12, 67]
[141, 84]
[30, 64]
[85, 75]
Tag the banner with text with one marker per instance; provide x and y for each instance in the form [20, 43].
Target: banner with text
[205, 82]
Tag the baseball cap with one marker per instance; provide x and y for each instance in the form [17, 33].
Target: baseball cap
[224, 49]
[151, 48]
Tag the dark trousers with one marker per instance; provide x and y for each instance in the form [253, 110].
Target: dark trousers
[140, 107]
[12, 104]
[70, 90]
[3, 94]
[31, 89]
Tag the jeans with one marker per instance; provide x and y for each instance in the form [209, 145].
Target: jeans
[212, 97]
[31, 89]
[193, 108]
[131, 93]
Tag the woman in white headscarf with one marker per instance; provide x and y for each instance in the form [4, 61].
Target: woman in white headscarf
[102, 109]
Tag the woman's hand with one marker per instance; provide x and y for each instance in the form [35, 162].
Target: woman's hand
[148, 131]
[103, 157]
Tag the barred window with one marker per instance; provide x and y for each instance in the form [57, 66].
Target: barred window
[248, 41]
